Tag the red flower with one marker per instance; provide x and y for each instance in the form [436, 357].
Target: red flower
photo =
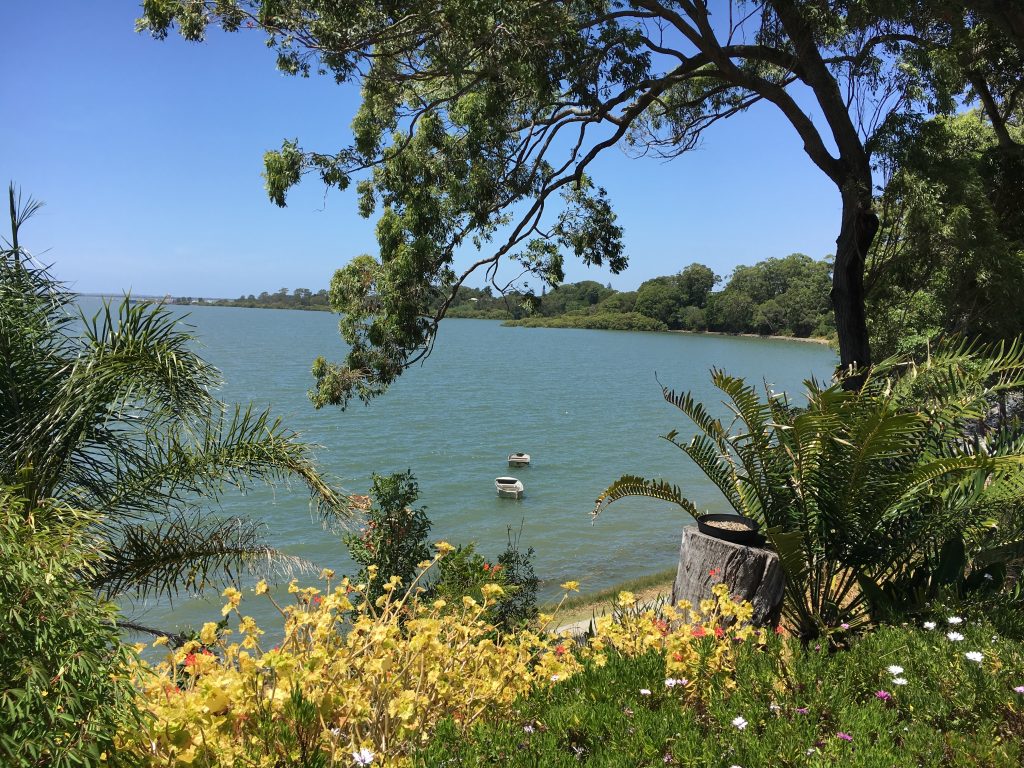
[495, 569]
[719, 633]
[559, 650]
[713, 572]
[317, 600]
[487, 567]
[779, 630]
[677, 656]
[190, 660]
[698, 632]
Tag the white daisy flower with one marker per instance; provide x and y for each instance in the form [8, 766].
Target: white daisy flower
[956, 637]
[895, 670]
[929, 625]
[975, 656]
[363, 757]
[899, 681]
[739, 723]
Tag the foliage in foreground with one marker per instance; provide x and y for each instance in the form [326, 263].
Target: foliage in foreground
[875, 499]
[897, 697]
[115, 414]
[334, 690]
[65, 678]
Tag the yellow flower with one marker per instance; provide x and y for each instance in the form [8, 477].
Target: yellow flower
[327, 573]
[261, 587]
[571, 586]
[162, 640]
[234, 598]
[208, 634]
[293, 587]
[627, 598]
[492, 591]
[443, 547]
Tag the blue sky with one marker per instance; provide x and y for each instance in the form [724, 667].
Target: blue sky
[148, 155]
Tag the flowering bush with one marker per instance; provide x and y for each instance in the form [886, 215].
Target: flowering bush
[363, 682]
[352, 682]
[700, 644]
[899, 696]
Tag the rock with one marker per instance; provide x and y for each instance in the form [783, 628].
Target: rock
[752, 574]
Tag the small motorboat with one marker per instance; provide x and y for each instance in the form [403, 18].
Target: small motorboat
[509, 487]
[519, 459]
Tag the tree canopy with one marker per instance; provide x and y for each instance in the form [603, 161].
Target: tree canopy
[477, 117]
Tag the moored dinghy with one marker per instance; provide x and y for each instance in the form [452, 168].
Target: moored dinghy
[509, 487]
[519, 459]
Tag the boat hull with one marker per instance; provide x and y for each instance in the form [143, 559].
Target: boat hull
[509, 488]
[519, 459]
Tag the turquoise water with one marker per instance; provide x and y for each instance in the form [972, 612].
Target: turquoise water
[584, 404]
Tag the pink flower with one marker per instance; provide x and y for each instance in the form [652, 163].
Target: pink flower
[1019, 689]
[844, 736]
[883, 695]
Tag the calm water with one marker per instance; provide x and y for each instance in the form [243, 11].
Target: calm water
[584, 404]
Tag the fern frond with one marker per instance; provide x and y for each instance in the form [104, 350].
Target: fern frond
[634, 485]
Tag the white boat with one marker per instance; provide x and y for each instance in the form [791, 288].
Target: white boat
[509, 487]
[519, 459]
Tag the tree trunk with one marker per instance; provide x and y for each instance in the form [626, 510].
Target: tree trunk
[752, 574]
[858, 230]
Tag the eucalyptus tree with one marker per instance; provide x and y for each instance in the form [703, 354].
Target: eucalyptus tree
[115, 415]
[476, 117]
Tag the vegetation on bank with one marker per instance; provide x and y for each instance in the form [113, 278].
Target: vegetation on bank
[774, 297]
[300, 298]
[897, 696]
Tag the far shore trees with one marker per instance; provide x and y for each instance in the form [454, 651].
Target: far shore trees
[477, 116]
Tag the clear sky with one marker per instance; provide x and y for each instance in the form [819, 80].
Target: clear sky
[148, 155]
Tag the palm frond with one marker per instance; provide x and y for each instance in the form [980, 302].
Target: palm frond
[186, 553]
[633, 485]
[696, 412]
[716, 466]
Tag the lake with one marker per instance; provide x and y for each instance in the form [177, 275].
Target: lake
[584, 404]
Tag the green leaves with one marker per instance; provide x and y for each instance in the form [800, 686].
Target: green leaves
[65, 678]
[118, 417]
[282, 170]
[867, 496]
[632, 485]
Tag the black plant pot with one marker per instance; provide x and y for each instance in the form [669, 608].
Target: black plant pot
[749, 536]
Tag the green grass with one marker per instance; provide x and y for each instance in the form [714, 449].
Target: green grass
[796, 702]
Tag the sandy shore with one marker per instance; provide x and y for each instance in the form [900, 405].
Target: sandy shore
[577, 617]
[809, 339]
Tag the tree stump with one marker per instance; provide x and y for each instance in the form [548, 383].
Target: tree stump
[752, 574]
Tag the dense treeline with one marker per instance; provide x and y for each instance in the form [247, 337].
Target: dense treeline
[788, 296]
[949, 258]
[300, 298]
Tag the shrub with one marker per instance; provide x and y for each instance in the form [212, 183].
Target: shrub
[333, 687]
[873, 499]
[519, 606]
[394, 537]
[65, 685]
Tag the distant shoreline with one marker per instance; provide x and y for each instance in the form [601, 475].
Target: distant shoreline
[809, 339]
[319, 308]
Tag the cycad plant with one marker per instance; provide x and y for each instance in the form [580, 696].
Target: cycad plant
[115, 414]
[875, 498]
